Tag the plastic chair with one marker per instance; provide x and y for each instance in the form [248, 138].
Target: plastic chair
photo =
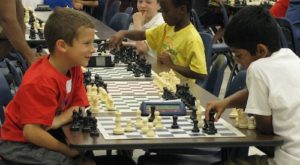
[111, 11]
[214, 79]
[15, 71]
[120, 21]
[129, 10]
[290, 34]
[99, 10]
[196, 21]
[237, 83]
[208, 42]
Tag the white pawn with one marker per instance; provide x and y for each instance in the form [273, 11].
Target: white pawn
[243, 120]
[128, 126]
[158, 125]
[233, 113]
[150, 132]
[138, 122]
[89, 90]
[251, 122]
[110, 104]
[118, 130]
[145, 126]
[95, 103]
[199, 118]
[156, 114]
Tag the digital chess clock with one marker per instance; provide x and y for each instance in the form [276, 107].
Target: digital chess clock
[101, 61]
[166, 108]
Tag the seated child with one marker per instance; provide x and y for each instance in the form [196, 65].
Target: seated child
[272, 83]
[51, 90]
[177, 43]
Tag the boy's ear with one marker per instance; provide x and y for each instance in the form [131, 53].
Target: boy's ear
[262, 51]
[61, 45]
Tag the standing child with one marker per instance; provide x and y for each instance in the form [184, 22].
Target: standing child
[51, 90]
[177, 43]
[272, 83]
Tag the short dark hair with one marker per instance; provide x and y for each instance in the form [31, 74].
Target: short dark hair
[187, 3]
[63, 24]
[250, 26]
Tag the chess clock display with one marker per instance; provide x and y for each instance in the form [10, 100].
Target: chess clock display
[101, 61]
[166, 108]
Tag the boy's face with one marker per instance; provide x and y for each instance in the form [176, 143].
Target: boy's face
[148, 7]
[170, 13]
[243, 57]
[82, 48]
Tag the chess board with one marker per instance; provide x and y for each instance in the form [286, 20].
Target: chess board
[136, 88]
[128, 103]
[107, 124]
[117, 74]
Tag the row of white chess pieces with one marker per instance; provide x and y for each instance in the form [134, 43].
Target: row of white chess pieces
[166, 79]
[96, 95]
[148, 128]
[36, 23]
[242, 120]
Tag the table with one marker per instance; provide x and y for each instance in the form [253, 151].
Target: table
[84, 141]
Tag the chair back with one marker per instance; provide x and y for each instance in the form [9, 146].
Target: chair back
[129, 10]
[207, 42]
[120, 21]
[15, 71]
[196, 21]
[6, 95]
[214, 79]
[99, 10]
[111, 11]
[237, 83]
[224, 13]
[290, 34]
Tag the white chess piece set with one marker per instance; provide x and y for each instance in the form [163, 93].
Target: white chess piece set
[242, 120]
[96, 95]
[36, 23]
[166, 79]
[147, 128]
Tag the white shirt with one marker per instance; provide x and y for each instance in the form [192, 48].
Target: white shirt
[274, 90]
[155, 21]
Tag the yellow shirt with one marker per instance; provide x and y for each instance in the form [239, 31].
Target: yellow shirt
[185, 46]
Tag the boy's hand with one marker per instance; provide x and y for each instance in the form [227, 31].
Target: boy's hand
[72, 152]
[138, 20]
[165, 58]
[217, 106]
[116, 39]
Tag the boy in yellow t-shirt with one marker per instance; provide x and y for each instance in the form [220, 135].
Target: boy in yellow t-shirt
[176, 42]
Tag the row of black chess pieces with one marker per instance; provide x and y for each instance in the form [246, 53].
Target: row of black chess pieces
[84, 122]
[208, 127]
[183, 93]
[98, 81]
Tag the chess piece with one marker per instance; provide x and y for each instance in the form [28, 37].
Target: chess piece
[94, 105]
[233, 113]
[156, 114]
[110, 104]
[145, 126]
[242, 119]
[251, 122]
[89, 90]
[32, 33]
[151, 114]
[138, 122]
[193, 114]
[195, 127]
[118, 130]
[94, 130]
[128, 127]
[199, 118]
[174, 124]
[158, 124]
[205, 126]
[150, 132]
[211, 129]
[75, 121]
[148, 70]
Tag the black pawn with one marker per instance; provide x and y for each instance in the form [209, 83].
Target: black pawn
[211, 130]
[32, 33]
[94, 130]
[137, 73]
[193, 114]
[148, 70]
[175, 124]
[195, 127]
[205, 126]
[151, 115]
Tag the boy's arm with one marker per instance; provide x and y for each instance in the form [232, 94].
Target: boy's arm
[35, 134]
[64, 118]
[13, 30]
[264, 124]
[238, 100]
[165, 59]
[91, 3]
[136, 35]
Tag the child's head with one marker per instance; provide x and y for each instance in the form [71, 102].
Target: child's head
[252, 31]
[149, 7]
[176, 11]
[65, 24]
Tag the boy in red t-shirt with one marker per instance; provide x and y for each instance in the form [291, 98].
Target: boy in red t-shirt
[51, 90]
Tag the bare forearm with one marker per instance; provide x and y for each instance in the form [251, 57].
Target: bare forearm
[38, 136]
[187, 72]
[136, 35]
[91, 3]
[237, 100]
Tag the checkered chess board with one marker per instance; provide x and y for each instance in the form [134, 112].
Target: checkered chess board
[107, 124]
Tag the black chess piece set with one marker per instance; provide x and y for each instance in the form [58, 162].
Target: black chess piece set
[98, 81]
[85, 123]
[182, 92]
[32, 32]
[209, 126]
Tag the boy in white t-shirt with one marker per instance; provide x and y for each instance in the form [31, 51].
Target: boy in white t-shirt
[273, 83]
